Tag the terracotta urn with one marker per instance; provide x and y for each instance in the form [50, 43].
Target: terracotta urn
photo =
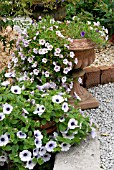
[50, 127]
[85, 54]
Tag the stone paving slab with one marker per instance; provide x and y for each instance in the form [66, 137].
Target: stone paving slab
[83, 157]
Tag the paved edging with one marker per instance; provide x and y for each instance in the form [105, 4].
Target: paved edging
[98, 75]
[85, 156]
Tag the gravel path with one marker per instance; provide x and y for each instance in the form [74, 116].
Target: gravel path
[104, 118]
[104, 57]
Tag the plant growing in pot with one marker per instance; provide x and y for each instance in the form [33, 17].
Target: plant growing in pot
[38, 93]
[85, 38]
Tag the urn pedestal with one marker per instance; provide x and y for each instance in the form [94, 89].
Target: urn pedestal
[84, 52]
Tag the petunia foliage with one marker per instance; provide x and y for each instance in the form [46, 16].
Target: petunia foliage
[36, 119]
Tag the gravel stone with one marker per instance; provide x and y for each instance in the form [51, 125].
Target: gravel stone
[103, 116]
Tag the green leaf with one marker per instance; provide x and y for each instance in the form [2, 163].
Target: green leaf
[40, 161]
[0, 98]
[8, 148]
[62, 127]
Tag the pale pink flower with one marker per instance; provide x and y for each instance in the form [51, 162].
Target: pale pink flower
[42, 41]
[65, 61]
[58, 50]
[44, 60]
[36, 72]
[57, 68]
[46, 74]
[72, 54]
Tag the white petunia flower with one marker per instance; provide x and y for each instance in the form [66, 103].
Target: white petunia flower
[57, 68]
[16, 89]
[45, 50]
[15, 60]
[64, 79]
[76, 61]
[66, 45]
[71, 85]
[51, 28]
[72, 123]
[65, 61]
[65, 107]
[57, 50]
[42, 151]
[8, 75]
[34, 38]
[57, 99]
[50, 146]
[56, 54]
[96, 23]
[49, 47]
[42, 41]
[44, 60]
[2, 116]
[38, 142]
[30, 59]
[46, 157]
[52, 21]
[25, 155]
[80, 80]
[46, 74]
[41, 51]
[7, 108]
[34, 64]
[61, 119]
[73, 18]
[91, 28]
[36, 71]
[60, 55]
[106, 30]
[35, 50]
[89, 22]
[35, 151]
[39, 110]
[21, 135]
[72, 54]
[5, 83]
[3, 158]
[30, 164]
[4, 140]
[76, 96]
[37, 134]
[25, 111]
[58, 33]
[66, 135]
[65, 146]
[66, 70]
[37, 33]
[71, 40]
[47, 44]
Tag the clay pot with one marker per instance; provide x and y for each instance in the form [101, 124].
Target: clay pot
[84, 52]
[50, 127]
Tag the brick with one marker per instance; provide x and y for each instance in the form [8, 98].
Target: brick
[105, 74]
[112, 73]
[91, 77]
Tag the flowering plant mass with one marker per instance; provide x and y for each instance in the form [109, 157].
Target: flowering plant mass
[35, 91]
[91, 30]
